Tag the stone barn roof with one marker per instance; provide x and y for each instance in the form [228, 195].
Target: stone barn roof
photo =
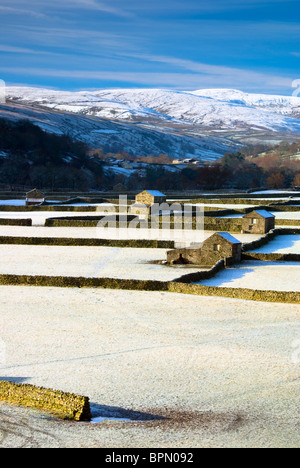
[229, 237]
[262, 213]
[35, 194]
[155, 193]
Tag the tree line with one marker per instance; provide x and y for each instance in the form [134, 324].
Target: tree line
[232, 171]
[33, 157]
[30, 156]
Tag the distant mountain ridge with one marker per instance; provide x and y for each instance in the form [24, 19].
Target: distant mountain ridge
[207, 107]
[203, 123]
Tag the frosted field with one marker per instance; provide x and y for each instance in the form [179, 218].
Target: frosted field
[39, 217]
[275, 276]
[235, 206]
[278, 215]
[123, 263]
[183, 238]
[18, 202]
[282, 244]
[287, 215]
[225, 372]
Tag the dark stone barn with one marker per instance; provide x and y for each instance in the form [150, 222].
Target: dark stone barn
[219, 246]
[258, 222]
[34, 198]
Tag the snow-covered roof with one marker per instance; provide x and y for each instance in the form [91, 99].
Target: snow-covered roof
[229, 237]
[155, 193]
[263, 213]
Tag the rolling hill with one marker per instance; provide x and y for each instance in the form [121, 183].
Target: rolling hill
[203, 124]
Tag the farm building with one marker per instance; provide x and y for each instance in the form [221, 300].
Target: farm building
[140, 210]
[258, 222]
[149, 197]
[219, 246]
[34, 198]
[119, 188]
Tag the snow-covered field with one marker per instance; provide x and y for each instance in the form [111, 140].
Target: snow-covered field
[278, 215]
[39, 217]
[137, 263]
[238, 206]
[111, 262]
[276, 276]
[282, 244]
[287, 214]
[182, 238]
[226, 206]
[224, 372]
[272, 192]
[18, 202]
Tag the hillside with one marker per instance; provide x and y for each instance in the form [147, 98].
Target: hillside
[222, 109]
[116, 136]
[204, 124]
[31, 156]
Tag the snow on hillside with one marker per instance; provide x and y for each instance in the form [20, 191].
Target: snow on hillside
[114, 136]
[203, 124]
[278, 104]
[83, 102]
[211, 111]
[210, 108]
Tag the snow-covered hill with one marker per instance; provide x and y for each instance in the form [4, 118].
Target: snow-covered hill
[212, 108]
[204, 123]
[120, 136]
[286, 105]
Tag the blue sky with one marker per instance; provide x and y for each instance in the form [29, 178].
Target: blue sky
[252, 45]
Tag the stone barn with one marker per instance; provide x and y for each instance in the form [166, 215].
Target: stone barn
[149, 197]
[258, 222]
[119, 188]
[219, 246]
[34, 198]
[142, 211]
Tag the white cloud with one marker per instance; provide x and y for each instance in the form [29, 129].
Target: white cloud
[229, 74]
[40, 8]
[100, 6]
[243, 81]
[23, 50]
[21, 11]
